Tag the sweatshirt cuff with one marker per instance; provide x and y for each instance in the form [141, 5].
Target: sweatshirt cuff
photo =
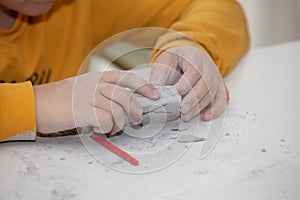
[17, 112]
[171, 41]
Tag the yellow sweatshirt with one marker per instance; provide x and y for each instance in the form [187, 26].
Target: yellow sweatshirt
[51, 47]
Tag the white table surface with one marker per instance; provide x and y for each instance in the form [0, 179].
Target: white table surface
[263, 114]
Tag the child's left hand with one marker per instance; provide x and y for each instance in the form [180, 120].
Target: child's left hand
[196, 77]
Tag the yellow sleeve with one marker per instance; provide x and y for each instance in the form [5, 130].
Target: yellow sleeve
[17, 112]
[217, 26]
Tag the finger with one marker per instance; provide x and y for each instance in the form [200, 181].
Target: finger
[115, 131]
[164, 71]
[124, 98]
[102, 120]
[194, 96]
[132, 81]
[113, 108]
[164, 74]
[97, 130]
[198, 108]
[218, 106]
[189, 78]
[112, 133]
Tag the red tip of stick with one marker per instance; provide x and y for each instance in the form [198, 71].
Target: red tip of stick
[116, 150]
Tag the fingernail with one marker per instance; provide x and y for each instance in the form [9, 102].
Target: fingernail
[185, 108]
[137, 121]
[185, 118]
[207, 116]
[137, 118]
[156, 93]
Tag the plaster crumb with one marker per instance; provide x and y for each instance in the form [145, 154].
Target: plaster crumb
[189, 139]
[284, 192]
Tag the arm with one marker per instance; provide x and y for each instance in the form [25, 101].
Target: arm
[97, 100]
[212, 38]
[218, 26]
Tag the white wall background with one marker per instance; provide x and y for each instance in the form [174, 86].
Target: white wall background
[272, 21]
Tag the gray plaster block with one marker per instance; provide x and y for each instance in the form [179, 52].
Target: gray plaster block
[159, 111]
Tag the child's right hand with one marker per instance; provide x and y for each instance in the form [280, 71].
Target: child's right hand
[97, 99]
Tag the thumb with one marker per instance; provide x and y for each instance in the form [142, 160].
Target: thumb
[163, 70]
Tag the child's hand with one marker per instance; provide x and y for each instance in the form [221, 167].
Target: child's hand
[196, 77]
[99, 100]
